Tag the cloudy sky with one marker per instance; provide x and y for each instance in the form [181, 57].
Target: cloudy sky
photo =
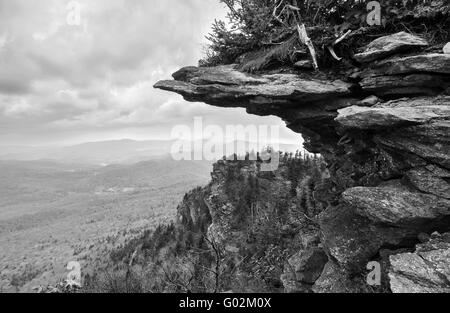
[65, 80]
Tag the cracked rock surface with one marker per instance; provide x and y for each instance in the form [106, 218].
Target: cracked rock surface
[427, 270]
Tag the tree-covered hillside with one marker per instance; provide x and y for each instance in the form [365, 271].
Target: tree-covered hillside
[259, 220]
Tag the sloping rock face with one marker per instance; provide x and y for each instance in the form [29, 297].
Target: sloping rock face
[385, 134]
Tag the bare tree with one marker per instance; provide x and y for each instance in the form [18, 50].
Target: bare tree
[218, 260]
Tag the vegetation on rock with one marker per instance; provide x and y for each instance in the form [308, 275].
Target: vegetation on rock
[264, 34]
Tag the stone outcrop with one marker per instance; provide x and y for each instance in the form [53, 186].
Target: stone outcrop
[225, 86]
[385, 134]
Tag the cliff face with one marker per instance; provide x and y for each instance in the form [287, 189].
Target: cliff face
[257, 222]
[383, 127]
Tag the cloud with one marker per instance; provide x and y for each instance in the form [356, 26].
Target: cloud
[97, 76]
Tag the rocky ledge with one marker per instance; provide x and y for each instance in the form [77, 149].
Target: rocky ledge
[384, 130]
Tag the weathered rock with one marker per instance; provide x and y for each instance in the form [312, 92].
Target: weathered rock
[226, 75]
[410, 85]
[417, 102]
[369, 101]
[395, 114]
[389, 45]
[193, 212]
[225, 86]
[353, 240]
[398, 208]
[425, 271]
[427, 63]
[303, 269]
[385, 264]
[304, 65]
[446, 48]
[430, 142]
[437, 171]
[291, 285]
[336, 280]
[426, 181]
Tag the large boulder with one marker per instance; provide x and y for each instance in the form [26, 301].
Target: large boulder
[427, 270]
[371, 218]
[353, 240]
[404, 209]
[389, 45]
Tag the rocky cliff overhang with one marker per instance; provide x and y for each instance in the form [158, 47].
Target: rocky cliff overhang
[384, 130]
[309, 102]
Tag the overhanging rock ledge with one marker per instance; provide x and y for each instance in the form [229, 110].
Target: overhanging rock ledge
[385, 134]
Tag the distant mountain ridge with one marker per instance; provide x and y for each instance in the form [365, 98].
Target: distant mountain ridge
[104, 152]
[125, 151]
[53, 212]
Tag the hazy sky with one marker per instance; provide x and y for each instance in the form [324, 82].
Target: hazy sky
[64, 84]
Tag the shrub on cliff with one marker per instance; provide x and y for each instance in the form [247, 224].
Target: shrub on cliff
[264, 32]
